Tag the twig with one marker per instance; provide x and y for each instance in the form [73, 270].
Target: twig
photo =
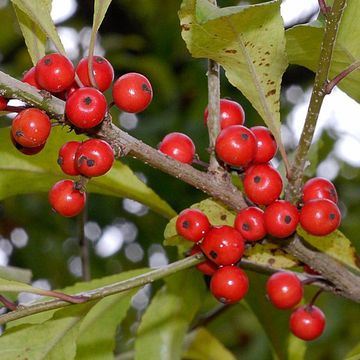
[7, 303]
[332, 83]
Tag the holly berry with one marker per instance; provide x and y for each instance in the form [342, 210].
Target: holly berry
[250, 223]
[319, 188]
[192, 224]
[178, 146]
[307, 322]
[229, 284]
[26, 150]
[65, 199]
[66, 158]
[86, 107]
[94, 157]
[102, 69]
[266, 144]
[281, 218]
[231, 113]
[132, 92]
[31, 127]
[29, 78]
[54, 73]
[262, 184]
[284, 290]
[236, 145]
[207, 267]
[320, 217]
[223, 244]
[3, 103]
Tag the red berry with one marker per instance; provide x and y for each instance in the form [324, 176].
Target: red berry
[207, 267]
[229, 284]
[29, 78]
[266, 144]
[284, 290]
[132, 92]
[3, 103]
[26, 150]
[319, 188]
[66, 158]
[250, 223]
[262, 184]
[236, 145]
[192, 224]
[94, 157]
[223, 244]
[310, 270]
[54, 73]
[281, 218]
[320, 217]
[31, 127]
[231, 113]
[307, 322]
[102, 69]
[178, 146]
[86, 107]
[65, 199]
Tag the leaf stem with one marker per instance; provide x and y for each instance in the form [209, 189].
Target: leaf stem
[293, 190]
[324, 8]
[7, 303]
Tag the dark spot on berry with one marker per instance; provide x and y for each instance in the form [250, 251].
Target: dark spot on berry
[245, 136]
[223, 300]
[19, 133]
[287, 219]
[98, 59]
[186, 224]
[257, 179]
[332, 192]
[213, 254]
[47, 61]
[90, 162]
[332, 216]
[88, 100]
[245, 227]
[223, 217]
[81, 159]
[60, 160]
[145, 88]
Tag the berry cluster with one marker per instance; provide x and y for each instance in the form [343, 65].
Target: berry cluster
[85, 109]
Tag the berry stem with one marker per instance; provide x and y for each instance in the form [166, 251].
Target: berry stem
[332, 21]
[315, 297]
[324, 8]
[7, 303]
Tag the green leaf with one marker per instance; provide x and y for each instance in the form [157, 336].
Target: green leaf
[201, 344]
[15, 273]
[55, 339]
[336, 245]
[16, 287]
[22, 174]
[296, 348]
[163, 326]
[303, 48]
[35, 38]
[354, 354]
[39, 12]
[100, 8]
[248, 42]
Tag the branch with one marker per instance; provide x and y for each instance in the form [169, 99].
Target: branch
[293, 191]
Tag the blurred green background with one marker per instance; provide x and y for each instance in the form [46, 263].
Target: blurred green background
[144, 36]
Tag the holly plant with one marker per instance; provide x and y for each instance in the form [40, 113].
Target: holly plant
[261, 237]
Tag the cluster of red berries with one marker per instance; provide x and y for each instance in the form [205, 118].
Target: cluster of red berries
[85, 108]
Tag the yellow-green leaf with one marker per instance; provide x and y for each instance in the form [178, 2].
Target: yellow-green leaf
[100, 8]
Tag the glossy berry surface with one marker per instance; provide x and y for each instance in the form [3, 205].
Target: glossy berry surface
[307, 322]
[65, 199]
[94, 157]
[26, 150]
[281, 218]
[207, 267]
[86, 108]
[262, 184]
[102, 70]
[192, 224]
[250, 223]
[132, 92]
[320, 217]
[3, 103]
[266, 144]
[66, 158]
[231, 113]
[178, 146]
[223, 245]
[29, 78]
[31, 127]
[284, 290]
[236, 146]
[229, 284]
[54, 73]
[319, 188]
